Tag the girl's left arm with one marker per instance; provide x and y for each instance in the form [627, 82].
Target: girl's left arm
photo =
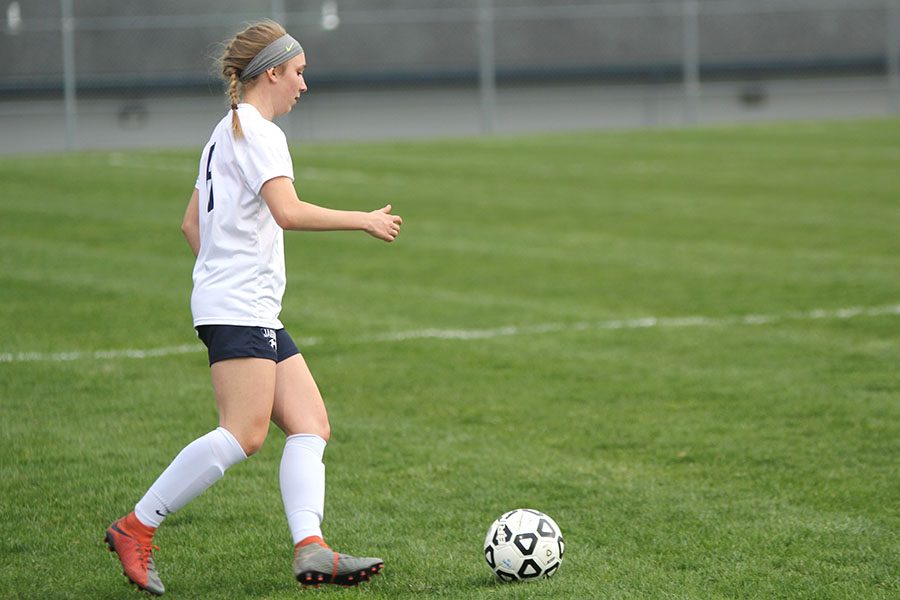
[290, 212]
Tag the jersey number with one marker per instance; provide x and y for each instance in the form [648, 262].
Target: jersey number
[209, 205]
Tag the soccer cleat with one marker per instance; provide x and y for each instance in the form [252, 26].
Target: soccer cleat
[315, 563]
[131, 541]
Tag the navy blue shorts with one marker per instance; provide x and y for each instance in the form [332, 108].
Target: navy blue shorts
[236, 341]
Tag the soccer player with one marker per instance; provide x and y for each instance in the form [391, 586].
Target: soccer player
[243, 200]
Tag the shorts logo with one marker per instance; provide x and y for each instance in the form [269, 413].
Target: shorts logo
[270, 335]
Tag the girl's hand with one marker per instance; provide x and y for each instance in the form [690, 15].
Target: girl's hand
[383, 225]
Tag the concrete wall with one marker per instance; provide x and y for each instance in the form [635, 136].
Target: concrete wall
[184, 121]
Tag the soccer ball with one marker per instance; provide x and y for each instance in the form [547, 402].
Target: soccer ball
[524, 544]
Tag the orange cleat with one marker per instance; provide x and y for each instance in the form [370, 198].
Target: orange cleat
[131, 540]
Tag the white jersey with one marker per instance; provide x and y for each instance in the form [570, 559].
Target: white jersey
[239, 275]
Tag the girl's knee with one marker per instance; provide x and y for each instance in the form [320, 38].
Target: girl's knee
[251, 440]
[320, 428]
[324, 430]
[253, 445]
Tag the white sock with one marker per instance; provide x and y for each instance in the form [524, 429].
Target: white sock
[199, 465]
[302, 478]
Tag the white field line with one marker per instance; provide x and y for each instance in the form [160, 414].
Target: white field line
[118, 159]
[482, 334]
[641, 323]
[121, 160]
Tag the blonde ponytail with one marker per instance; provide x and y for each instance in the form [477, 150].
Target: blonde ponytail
[235, 98]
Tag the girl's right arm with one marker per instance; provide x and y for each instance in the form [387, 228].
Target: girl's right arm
[190, 225]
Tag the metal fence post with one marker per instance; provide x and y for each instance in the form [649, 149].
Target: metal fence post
[67, 27]
[278, 13]
[691, 59]
[487, 68]
[893, 52]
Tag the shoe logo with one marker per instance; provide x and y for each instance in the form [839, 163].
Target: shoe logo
[165, 514]
[270, 335]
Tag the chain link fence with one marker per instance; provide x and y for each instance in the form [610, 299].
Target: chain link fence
[102, 74]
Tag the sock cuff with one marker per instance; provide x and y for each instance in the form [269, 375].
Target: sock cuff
[230, 451]
[147, 521]
[312, 539]
[308, 441]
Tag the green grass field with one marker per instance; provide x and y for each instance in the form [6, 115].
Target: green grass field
[501, 354]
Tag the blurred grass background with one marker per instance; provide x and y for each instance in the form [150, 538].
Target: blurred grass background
[715, 461]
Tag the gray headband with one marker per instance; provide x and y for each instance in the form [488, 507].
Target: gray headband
[281, 50]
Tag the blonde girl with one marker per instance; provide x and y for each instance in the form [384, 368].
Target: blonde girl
[243, 200]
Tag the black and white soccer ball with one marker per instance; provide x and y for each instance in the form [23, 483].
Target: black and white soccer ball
[523, 545]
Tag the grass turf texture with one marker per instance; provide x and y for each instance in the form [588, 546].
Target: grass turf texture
[712, 461]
